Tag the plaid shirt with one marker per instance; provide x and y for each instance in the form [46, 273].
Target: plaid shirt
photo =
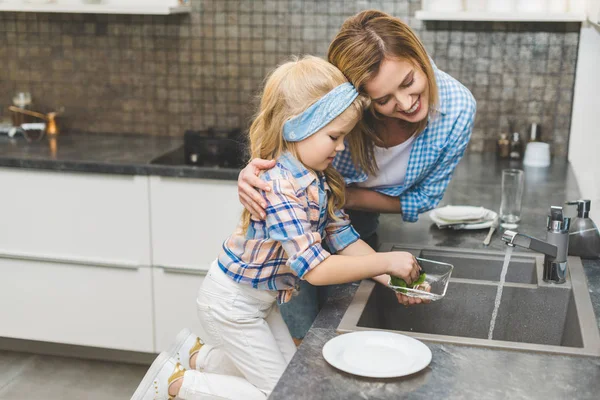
[276, 253]
[435, 152]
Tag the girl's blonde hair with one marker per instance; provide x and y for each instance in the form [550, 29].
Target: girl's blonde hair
[289, 90]
[362, 44]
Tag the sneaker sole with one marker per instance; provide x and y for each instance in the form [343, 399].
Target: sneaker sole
[148, 379]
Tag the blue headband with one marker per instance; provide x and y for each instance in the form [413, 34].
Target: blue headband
[315, 117]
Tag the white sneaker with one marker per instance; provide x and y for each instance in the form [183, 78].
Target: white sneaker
[155, 384]
[186, 344]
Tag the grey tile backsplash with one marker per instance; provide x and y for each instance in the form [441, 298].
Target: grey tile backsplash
[160, 75]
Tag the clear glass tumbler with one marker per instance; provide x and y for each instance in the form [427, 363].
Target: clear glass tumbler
[513, 182]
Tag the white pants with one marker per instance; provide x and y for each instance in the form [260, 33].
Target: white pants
[247, 344]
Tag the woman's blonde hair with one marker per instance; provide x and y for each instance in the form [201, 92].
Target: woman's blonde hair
[362, 44]
[289, 90]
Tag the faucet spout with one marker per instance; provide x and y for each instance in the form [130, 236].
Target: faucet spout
[554, 248]
[528, 242]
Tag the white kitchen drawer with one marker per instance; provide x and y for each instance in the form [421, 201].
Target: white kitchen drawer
[190, 220]
[77, 304]
[78, 217]
[175, 291]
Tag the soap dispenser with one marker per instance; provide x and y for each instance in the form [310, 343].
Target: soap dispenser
[584, 237]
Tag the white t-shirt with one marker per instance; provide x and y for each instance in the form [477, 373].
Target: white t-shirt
[392, 163]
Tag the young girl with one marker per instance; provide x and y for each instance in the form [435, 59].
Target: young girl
[306, 111]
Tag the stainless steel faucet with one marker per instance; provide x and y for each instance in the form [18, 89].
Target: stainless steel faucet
[555, 248]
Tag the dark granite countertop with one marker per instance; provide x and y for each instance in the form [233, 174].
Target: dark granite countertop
[105, 154]
[457, 371]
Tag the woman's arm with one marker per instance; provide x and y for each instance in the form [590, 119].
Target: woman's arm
[370, 200]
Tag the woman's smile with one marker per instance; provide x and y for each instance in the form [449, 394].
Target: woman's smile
[416, 107]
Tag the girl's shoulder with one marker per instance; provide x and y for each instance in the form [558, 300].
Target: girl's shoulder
[290, 174]
[280, 175]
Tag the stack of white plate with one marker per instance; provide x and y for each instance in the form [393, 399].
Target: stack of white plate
[463, 217]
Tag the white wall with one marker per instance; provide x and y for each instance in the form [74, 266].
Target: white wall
[584, 144]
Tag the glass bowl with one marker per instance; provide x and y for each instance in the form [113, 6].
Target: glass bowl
[437, 276]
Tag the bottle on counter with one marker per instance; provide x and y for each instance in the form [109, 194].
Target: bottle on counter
[516, 146]
[584, 237]
[21, 100]
[503, 146]
[534, 133]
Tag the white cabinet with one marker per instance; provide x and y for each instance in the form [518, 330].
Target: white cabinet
[77, 304]
[175, 291]
[81, 217]
[190, 220]
[110, 261]
[155, 7]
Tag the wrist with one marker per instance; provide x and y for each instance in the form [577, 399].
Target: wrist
[383, 263]
[384, 279]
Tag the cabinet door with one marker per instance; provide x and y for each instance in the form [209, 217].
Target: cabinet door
[87, 218]
[190, 220]
[175, 291]
[77, 304]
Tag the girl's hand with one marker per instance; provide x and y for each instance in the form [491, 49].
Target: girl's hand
[403, 265]
[249, 182]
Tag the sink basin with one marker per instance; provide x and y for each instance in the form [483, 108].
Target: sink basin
[533, 314]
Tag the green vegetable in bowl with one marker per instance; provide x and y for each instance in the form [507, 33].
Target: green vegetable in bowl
[401, 283]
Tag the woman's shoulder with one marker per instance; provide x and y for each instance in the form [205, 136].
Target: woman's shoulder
[454, 97]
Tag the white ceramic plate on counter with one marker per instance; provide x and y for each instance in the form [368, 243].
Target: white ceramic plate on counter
[488, 215]
[377, 354]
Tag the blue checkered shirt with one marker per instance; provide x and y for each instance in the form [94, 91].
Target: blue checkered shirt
[435, 152]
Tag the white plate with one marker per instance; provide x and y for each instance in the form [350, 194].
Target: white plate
[376, 354]
[460, 213]
[489, 215]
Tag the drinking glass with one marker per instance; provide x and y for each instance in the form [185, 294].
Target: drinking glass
[512, 194]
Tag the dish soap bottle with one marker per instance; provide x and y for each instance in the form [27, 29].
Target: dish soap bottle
[584, 238]
[503, 146]
[516, 147]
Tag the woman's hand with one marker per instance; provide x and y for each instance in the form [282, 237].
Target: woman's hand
[249, 182]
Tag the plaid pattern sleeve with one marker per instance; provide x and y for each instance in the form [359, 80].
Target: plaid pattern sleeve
[287, 222]
[339, 233]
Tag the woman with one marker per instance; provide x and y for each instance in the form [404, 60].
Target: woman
[414, 135]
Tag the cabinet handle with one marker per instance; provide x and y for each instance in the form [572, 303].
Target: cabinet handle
[183, 270]
[70, 261]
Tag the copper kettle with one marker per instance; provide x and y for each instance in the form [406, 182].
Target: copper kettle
[51, 127]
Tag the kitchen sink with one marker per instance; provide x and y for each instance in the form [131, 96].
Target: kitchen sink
[533, 315]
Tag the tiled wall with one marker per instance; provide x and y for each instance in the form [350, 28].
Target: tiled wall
[160, 75]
